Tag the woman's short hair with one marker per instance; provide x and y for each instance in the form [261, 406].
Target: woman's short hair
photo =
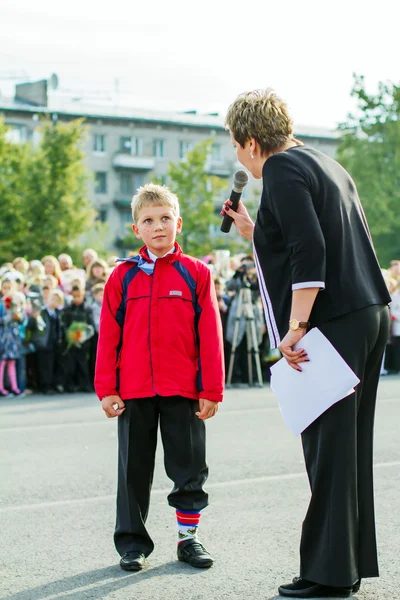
[152, 194]
[261, 115]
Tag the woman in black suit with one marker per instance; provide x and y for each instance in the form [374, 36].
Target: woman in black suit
[317, 267]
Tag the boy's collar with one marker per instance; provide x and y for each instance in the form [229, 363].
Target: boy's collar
[154, 257]
[171, 257]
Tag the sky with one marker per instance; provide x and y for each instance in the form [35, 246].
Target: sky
[180, 55]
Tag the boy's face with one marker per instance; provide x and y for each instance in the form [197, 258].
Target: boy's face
[48, 283]
[5, 287]
[98, 296]
[55, 301]
[78, 297]
[157, 226]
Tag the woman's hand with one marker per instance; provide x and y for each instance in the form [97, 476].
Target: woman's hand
[293, 357]
[241, 218]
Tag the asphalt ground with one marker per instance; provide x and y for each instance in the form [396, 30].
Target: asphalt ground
[57, 504]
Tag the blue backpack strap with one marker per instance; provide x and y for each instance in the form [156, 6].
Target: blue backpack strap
[191, 283]
[121, 311]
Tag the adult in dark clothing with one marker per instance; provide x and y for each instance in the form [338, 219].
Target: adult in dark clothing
[317, 267]
[77, 357]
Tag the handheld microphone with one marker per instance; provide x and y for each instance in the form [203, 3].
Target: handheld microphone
[240, 180]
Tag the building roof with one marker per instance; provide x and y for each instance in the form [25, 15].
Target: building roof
[78, 108]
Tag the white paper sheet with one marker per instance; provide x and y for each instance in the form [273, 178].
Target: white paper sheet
[326, 379]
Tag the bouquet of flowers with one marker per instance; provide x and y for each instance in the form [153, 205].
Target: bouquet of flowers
[13, 308]
[78, 333]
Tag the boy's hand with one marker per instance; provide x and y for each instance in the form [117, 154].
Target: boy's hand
[208, 408]
[108, 404]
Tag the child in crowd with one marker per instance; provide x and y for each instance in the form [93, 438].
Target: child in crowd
[21, 264]
[35, 276]
[160, 360]
[48, 344]
[97, 272]
[77, 357]
[20, 303]
[79, 283]
[52, 267]
[97, 301]
[11, 316]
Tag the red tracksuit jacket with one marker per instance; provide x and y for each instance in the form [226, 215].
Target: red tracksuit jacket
[160, 333]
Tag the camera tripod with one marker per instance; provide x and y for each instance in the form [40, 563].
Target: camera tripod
[245, 307]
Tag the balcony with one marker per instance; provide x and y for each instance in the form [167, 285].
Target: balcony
[123, 160]
[218, 168]
[123, 202]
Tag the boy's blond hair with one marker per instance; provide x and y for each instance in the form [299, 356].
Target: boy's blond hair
[152, 194]
[58, 294]
[98, 287]
[261, 115]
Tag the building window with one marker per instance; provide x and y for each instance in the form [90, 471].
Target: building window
[17, 135]
[126, 184]
[100, 182]
[99, 143]
[130, 183]
[138, 181]
[125, 222]
[158, 148]
[125, 144]
[131, 145]
[184, 147]
[216, 155]
[137, 146]
[102, 215]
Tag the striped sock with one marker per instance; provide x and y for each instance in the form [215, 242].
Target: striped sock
[188, 522]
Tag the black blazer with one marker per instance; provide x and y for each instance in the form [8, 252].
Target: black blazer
[311, 231]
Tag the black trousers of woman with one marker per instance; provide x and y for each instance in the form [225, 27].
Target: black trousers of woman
[338, 542]
[184, 438]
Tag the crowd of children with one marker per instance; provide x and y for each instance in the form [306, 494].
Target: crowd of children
[50, 314]
[49, 321]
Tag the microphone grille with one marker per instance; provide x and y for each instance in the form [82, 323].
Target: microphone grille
[240, 180]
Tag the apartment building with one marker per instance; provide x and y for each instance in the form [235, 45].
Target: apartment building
[127, 147]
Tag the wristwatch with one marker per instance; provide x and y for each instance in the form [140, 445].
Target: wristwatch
[294, 324]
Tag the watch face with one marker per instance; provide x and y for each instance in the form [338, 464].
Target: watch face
[294, 324]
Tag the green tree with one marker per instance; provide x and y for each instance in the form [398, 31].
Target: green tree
[198, 193]
[43, 192]
[370, 150]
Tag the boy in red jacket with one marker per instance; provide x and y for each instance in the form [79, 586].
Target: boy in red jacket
[160, 360]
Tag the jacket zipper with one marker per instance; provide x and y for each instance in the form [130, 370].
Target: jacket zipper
[151, 301]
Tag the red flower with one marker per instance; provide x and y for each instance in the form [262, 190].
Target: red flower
[8, 302]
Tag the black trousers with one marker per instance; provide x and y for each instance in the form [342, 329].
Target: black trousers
[338, 542]
[77, 368]
[50, 369]
[183, 436]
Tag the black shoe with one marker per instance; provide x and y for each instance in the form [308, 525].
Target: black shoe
[356, 586]
[132, 561]
[301, 588]
[195, 554]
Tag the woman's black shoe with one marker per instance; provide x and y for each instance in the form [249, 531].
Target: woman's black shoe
[301, 588]
[356, 586]
[132, 561]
